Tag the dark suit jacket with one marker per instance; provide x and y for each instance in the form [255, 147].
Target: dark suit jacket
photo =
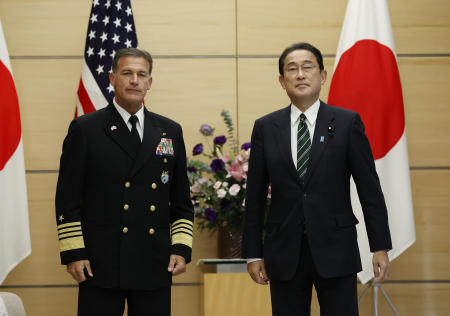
[125, 214]
[321, 204]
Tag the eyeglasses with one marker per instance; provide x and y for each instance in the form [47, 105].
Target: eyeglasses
[293, 70]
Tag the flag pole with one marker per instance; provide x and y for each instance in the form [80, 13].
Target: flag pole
[375, 287]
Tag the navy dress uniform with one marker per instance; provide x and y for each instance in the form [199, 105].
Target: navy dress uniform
[125, 211]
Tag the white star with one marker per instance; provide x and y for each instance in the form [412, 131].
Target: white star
[101, 53]
[128, 10]
[90, 51]
[106, 19]
[116, 38]
[119, 6]
[108, 4]
[112, 54]
[93, 18]
[104, 37]
[129, 27]
[95, 3]
[99, 69]
[128, 43]
[117, 22]
[91, 34]
[110, 88]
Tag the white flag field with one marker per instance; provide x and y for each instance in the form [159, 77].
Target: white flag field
[15, 242]
[366, 80]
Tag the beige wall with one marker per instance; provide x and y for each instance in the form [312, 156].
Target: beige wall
[202, 37]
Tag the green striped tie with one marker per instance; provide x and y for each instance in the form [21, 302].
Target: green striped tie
[303, 147]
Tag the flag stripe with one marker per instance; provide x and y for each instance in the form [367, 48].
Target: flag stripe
[84, 99]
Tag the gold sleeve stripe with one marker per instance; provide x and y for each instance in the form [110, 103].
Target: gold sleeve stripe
[69, 224]
[62, 236]
[181, 230]
[71, 229]
[71, 243]
[182, 226]
[184, 221]
[182, 239]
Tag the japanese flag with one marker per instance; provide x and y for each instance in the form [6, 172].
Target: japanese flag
[366, 80]
[15, 242]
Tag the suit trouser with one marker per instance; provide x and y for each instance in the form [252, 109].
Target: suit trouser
[95, 301]
[337, 296]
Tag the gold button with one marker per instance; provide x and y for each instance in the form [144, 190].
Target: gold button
[126, 207]
[127, 184]
[151, 231]
[152, 208]
[165, 160]
[154, 186]
[125, 229]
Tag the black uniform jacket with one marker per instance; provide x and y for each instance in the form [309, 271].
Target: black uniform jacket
[321, 204]
[126, 213]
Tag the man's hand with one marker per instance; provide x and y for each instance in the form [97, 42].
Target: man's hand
[76, 270]
[380, 266]
[257, 271]
[177, 265]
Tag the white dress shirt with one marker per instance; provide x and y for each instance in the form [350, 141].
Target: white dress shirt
[311, 117]
[126, 116]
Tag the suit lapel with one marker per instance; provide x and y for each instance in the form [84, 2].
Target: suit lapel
[325, 119]
[118, 130]
[152, 136]
[282, 136]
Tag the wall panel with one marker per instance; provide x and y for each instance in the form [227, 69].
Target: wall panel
[266, 27]
[187, 91]
[424, 82]
[58, 28]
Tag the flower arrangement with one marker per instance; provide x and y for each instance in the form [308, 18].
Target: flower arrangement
[218, 185]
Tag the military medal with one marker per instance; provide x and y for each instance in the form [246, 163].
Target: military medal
[165, 147]
[165, 177]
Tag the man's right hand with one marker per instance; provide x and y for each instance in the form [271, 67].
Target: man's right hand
[257, 271]
[76, 269]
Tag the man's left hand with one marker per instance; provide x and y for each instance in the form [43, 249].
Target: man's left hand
[380, 266]
[177, 265]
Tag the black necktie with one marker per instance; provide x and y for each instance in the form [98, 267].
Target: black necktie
[136, 139]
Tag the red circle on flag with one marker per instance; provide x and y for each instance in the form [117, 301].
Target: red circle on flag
[367, 81]
[9, 116]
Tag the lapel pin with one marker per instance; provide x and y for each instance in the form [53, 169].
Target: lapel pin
[163, 134]
[113, 128]
[322, 139]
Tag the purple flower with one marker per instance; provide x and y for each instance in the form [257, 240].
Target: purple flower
[217, 165]
[245, 146]
[210, 215]
[225, 204]
[198, 149]
[220, 140]
[191, 169]
[206, 130]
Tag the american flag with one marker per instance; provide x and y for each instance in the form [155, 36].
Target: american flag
[111, 27]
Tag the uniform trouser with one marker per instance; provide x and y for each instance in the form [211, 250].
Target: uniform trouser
[337, 296]
[95, 301]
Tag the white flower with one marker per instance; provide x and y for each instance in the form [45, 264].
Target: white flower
[202, 180]
[217, 185]
[195, 188]
[225, 184]
[221, 193]
[234, 189]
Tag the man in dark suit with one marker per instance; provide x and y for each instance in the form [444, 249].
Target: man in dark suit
[307, 152]
[123, 209]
